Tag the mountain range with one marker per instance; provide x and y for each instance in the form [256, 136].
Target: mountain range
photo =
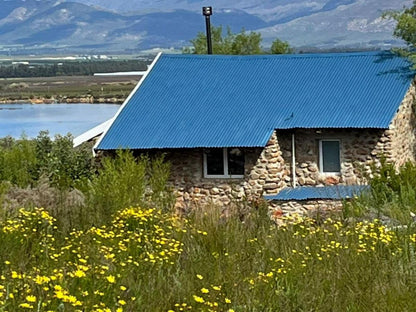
[120, 26]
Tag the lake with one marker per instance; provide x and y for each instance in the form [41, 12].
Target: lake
[16, 119]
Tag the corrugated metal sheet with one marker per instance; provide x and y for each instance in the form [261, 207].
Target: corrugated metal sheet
[216, 101]
[312, 192]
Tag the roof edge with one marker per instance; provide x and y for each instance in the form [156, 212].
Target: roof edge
[180, 147]
[295, 55]
[95, 147]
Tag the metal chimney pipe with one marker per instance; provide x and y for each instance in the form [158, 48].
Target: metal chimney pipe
[207, 12]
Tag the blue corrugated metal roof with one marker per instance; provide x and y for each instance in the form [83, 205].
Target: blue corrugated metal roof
[313, 192]
[218, 100]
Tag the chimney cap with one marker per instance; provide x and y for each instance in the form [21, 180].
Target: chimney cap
[207, 11]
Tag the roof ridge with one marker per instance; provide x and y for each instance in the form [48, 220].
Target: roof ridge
[299, 55]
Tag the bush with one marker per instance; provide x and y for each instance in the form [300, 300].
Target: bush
[125, 181]
[392, 194]
[18, 162]
[24, 161]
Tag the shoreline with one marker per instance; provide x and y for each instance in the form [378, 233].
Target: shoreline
[65, 100]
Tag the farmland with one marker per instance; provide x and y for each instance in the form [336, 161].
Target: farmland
[69, 78]
[68, 88]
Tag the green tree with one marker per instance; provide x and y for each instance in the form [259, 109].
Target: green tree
[405, 28]
[280, 47]
[242, 43]
[245, 44]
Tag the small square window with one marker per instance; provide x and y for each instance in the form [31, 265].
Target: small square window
[329, 156]
[224, 163]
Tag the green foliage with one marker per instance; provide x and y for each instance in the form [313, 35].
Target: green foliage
[24, 161]
[405, 29]
[161, 195]
[119, 183]
[18, 161]
[246, 44]
[280, 47]
[241, 43]
[392, 195]
[125, 181]
[406, 24]
[73, 186]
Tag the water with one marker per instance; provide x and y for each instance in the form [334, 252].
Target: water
[29, 119]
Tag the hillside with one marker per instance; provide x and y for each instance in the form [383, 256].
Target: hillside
[99, 25]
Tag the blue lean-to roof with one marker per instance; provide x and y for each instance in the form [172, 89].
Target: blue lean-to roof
[190, 101]
[325, 192]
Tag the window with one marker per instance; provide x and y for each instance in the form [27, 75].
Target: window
[224, 163]
[329, 156]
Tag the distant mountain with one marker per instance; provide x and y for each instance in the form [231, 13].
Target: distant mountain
[102, 25]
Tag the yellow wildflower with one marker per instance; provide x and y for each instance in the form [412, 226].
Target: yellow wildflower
[31, 298]
[198, 299]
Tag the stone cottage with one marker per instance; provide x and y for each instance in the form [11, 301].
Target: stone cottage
[294, 129]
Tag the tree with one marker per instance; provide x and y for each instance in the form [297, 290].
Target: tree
[405, 28]
[280, 47]
[242, 43]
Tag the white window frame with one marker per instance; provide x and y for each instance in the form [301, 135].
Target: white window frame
[321, 158]
[220, 176]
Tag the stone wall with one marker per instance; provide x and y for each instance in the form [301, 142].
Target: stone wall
[279, 209]
[402, 130]
[268, 170]
[193, 189]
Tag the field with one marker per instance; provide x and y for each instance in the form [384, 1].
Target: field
[108, 89]
[109, 239]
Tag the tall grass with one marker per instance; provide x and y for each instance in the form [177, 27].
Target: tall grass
[109, 240]
[149, 260]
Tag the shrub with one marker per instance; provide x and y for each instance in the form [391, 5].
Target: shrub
[18, 161]
[125, 181]
[24, 161]
[392, 195]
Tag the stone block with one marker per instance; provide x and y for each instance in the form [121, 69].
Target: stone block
[270, 186]
[254, 176]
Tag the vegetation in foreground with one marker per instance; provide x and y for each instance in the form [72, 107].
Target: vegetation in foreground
[131, 252]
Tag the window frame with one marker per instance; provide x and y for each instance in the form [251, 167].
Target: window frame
[321, 158]
[225, 162]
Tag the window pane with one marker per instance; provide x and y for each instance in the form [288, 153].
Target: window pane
[330, 156]
[235, 161]
[215, 161]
